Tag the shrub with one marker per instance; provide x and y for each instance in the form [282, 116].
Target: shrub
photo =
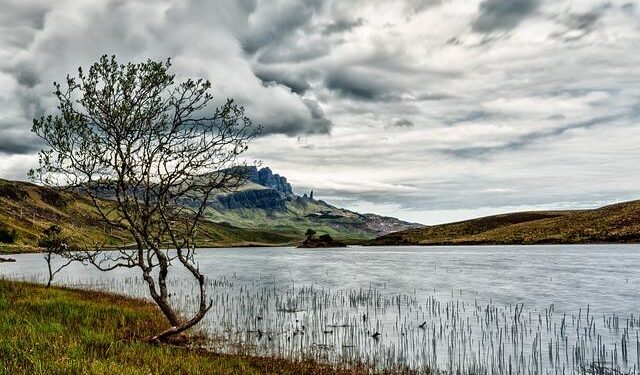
[7, 235]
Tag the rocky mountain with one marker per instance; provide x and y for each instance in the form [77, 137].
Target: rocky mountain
[267, 201]
[268, 179]
[262, 199]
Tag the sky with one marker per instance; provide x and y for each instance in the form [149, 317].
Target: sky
[427, 110]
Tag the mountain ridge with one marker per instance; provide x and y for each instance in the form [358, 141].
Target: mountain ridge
[267, 200]
[255, 215]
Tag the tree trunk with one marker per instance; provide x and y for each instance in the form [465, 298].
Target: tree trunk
[178, 325]
[48, 259]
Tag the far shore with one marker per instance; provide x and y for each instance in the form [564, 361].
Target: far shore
[19, 249]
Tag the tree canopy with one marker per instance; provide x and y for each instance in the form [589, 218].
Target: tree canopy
[150, 152]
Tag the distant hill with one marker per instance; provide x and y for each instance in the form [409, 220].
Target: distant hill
[617, 223]
[264, 211]
[27, 209]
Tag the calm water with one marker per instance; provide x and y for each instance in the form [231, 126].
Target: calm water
[489, 309]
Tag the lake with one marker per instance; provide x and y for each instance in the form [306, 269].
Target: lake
[486, 309]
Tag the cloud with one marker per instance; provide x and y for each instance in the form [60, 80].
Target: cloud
[583, 21]
[342, 25]
[296, 82]
[44, 42]
[503, 15]
[361, 84]
[418, 6]
[17, 142]
[580, 24]
[494, 104]
[403, 122]
[271, 22]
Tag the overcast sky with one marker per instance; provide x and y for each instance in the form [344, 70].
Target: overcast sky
[427, 110]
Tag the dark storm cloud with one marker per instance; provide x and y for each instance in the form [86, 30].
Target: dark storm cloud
[322, 125]
[26, 75]
[578, 25]
[584, 21]
[290, 124]
[294, 53]
[434, 97]
[41, 42]
[296, 82]
[361, 85]
[503, 15]
[277, 25]
[23, 14]
[15, 140]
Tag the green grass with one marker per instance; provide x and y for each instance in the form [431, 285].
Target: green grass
[300, 214]
[66, 331]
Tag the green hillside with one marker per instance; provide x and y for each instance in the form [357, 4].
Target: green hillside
[27, 209]
[618, 223]
[302, 213]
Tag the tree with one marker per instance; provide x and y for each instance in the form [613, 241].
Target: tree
[309, 234]
[54, 244]
[158, 151]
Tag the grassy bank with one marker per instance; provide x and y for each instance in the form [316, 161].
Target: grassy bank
[65, 331]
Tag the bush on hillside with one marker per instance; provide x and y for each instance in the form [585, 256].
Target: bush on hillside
[7, 235]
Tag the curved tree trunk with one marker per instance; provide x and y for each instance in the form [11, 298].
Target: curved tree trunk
[178, 324]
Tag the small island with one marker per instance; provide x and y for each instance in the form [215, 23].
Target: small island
[324, 240]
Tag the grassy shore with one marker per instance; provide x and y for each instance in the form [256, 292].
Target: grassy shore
[67, 331]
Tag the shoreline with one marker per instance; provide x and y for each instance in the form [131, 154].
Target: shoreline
[102, 333]
[4, 252]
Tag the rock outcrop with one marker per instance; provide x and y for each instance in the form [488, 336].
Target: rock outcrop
[272, 198]
[264, 199]
[323, 241]
[267, 178]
